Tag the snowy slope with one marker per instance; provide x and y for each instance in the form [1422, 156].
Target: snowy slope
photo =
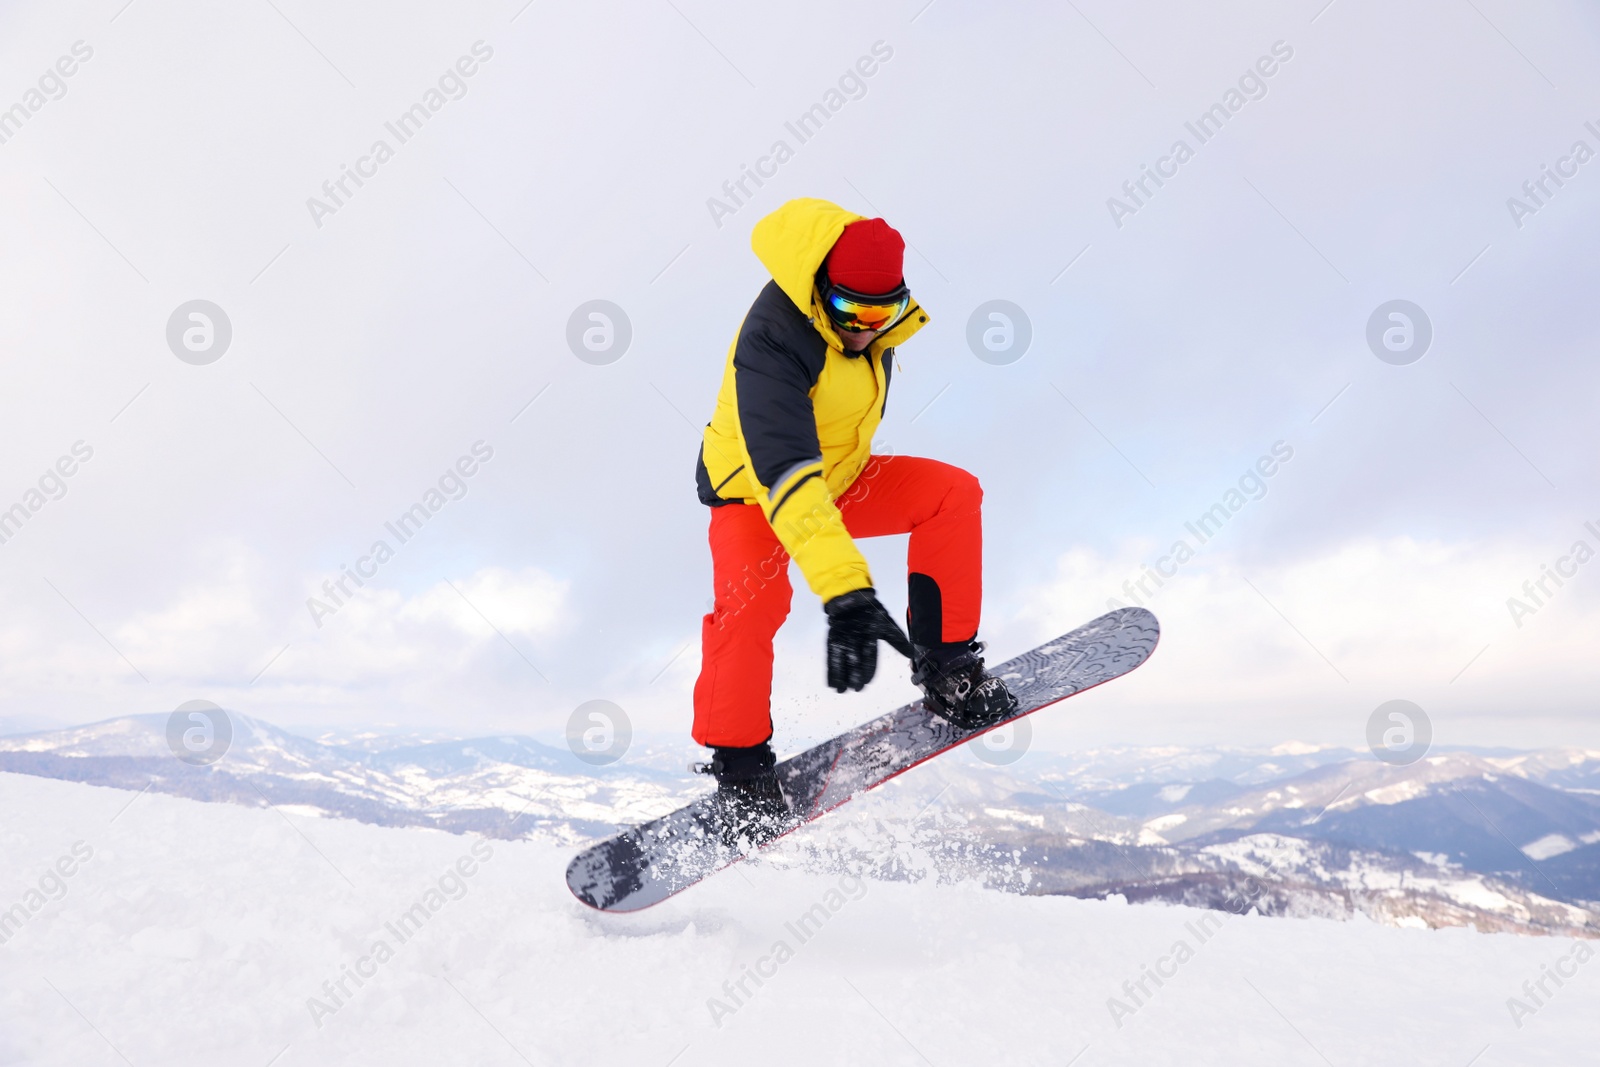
[196, 934]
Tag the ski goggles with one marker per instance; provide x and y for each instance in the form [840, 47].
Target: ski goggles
[856, 312]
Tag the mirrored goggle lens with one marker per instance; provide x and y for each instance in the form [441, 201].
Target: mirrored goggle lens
[850, 313]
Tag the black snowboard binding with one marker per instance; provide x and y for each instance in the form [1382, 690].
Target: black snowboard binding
[749, 807]
[958, 689]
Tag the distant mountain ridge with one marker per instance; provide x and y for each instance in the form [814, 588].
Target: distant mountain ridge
[1494, 838]
[506, 786]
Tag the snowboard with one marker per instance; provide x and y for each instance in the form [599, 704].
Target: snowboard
[647, 864]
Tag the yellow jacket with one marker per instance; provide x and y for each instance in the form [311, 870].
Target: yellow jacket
[796, 413]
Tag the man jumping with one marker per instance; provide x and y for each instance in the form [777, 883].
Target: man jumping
[787, 470]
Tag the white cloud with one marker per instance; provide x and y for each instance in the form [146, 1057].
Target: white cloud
[526, 601]
[1395, 618]
[383, 653]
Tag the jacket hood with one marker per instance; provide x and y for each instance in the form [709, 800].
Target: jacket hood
[793, 241]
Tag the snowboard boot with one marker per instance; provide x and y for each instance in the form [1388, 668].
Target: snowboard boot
[748, 808]
[957, 688]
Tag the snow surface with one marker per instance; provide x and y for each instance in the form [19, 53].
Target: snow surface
[196, 933]
[1549, 845]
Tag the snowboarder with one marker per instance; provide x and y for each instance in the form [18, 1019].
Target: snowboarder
[786, 468]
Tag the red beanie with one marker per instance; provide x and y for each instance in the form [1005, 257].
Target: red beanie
[868, 257]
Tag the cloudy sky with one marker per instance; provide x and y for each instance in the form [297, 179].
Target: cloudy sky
[381, 332]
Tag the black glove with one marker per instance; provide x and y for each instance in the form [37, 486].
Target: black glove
[856, 623]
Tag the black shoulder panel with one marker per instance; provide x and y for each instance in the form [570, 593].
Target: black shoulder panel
[777, 360]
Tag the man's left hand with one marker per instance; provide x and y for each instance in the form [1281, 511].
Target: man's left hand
[857, 621]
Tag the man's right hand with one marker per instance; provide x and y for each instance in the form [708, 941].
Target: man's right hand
[857, 621]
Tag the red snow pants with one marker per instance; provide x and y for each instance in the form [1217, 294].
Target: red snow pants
[937, 504]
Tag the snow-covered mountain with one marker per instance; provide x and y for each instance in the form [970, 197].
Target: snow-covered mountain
[1529, 818]
[1499, 840]
[497, 786]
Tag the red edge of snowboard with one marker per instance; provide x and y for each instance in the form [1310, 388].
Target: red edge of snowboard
[815, 815]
